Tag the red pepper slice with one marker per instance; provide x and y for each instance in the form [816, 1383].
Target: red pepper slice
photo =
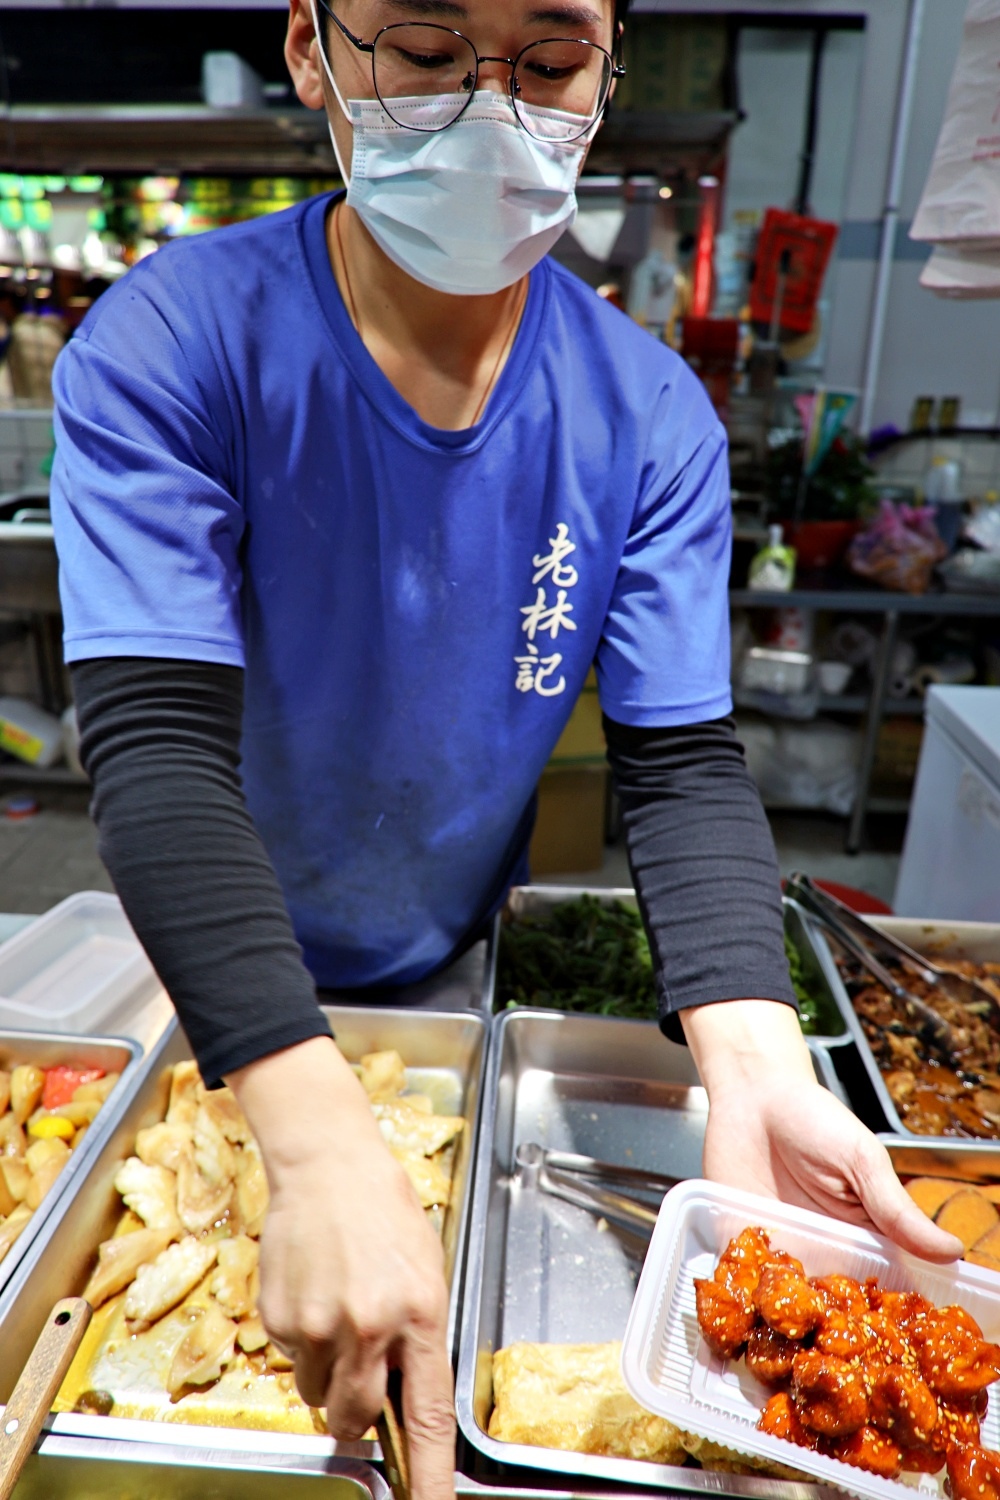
[61, 1083]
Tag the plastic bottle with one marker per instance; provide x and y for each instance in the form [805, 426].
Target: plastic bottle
[773, 567]
[943, 490]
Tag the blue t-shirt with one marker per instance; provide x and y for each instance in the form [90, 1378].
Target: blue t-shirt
[416, 610]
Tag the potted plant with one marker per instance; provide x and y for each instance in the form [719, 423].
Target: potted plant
[821, 514]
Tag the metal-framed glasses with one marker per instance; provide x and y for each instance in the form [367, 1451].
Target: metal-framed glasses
[563, 75]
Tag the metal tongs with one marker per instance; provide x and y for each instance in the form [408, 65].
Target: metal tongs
[581, 1180]
[863, 941]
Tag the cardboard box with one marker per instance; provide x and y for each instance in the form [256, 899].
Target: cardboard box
[569, 830]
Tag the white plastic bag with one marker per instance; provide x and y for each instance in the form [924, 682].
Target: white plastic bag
[961, 202]
[966, 275]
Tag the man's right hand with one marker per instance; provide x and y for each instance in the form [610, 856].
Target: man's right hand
[352, 1274]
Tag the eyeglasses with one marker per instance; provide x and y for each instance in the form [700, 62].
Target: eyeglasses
[561, 74]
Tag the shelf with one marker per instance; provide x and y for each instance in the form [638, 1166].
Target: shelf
[868, 601]
[857, 703]
[25, 775]
[662, 141]
[192, 138]
[168, 139]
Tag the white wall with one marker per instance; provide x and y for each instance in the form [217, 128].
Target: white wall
[932, 346]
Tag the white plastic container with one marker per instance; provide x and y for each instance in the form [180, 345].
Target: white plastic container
[78, 969]
[670, 1371]
[950, 867]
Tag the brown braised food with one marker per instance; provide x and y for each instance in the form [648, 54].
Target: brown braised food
[882, 1380]
[968, 1210]
[931, 1096]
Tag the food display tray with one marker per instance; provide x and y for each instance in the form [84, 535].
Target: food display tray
[68, 1468]
[974, 1162]
[541, 1270]
[538, 900]
[63, 1253]
[670, 1370]
[114, 1055]
[977, 941]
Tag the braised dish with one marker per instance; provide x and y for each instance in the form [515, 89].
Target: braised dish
[932, 1096]
[177, 1335]
[44, 1115]
[881, 1380]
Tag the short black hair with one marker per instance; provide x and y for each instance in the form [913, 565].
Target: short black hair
[621, 8]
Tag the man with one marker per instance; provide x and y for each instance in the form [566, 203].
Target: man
[347, 502]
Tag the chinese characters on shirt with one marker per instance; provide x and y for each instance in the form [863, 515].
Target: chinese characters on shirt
[535, 672]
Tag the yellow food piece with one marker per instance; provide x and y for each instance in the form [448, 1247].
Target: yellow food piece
[26, 1085]
[119, 1260]
[42, 1181]
[96, 1091]
[52, 1125]
[930, 1193]
[968, 1215]
[79, 1113]
[4, 1090]
[16, 1175]
[8, 1202]
[991, 1190]
[979, 1258]
[39, 1153]
[12, 1141]
[13, 1226]
[382, 1074]
[989, 1244]
[572, 1396]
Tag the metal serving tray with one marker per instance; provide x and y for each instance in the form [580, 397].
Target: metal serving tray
[941, 1156]
[542, 1270]
[45, 1050]
[977, 941]
[63, 1253]
[67, 1468]
[537, 900]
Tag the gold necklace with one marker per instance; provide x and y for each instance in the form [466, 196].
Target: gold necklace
[504, 348]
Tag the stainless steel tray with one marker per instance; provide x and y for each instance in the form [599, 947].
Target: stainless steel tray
[536, 900]
[542, 1270]
[64, 1251]
[47, 1050]
[68, 1468]
[940, 1156]
[976, 941]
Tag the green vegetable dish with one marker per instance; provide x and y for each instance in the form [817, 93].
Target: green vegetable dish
[582, 955]
[593, 956]
[808, 1006]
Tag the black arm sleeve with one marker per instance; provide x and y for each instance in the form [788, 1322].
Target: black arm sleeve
[703, 863]
[160, 741]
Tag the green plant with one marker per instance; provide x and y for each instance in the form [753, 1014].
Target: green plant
[840, 490]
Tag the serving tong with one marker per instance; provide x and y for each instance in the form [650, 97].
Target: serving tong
[596, 1186]
[859, 938]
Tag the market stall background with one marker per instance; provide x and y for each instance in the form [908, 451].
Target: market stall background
[747, 142]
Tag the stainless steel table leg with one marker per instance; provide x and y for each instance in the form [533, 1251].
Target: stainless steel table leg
[873, 723]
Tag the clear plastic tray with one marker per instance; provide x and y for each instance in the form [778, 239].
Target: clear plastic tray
[75, 969]
[670, 1371]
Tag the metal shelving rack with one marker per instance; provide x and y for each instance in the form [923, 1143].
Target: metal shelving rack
[878, 704]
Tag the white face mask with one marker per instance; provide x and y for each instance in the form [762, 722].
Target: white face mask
[467, 210]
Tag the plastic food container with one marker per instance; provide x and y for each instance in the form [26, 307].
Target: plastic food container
[75, 970]
[670, 1371]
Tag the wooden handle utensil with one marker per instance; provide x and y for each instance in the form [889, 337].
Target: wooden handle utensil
[392, 1439]
[32, 1397]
